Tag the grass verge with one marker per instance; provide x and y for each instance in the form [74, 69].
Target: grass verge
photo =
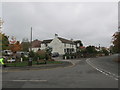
[25, 63]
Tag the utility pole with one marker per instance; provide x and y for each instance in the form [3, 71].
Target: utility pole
[30, 57]
[31, 40]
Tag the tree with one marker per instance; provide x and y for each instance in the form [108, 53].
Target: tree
[112, 49]
[105, 51]
[31, 54]
[15, 47]
[25, 45]
[5, 41]
[48, 52]
[78, 44]
[1, 23]
[116, 42]
[91, 49]
[41, 54]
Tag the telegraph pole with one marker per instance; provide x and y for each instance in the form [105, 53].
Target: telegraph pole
[31, 40]
[30, 57]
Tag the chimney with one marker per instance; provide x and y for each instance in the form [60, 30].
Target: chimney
[71, 39]
[56, 35]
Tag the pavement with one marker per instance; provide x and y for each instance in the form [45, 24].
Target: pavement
[80, 74]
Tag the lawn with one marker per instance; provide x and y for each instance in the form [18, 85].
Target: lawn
[25, 63]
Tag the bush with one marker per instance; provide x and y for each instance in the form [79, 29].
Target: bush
[31, 54]
[35, 56]
[41, 54]
[51, 60]
[105, 52]
[25, 58]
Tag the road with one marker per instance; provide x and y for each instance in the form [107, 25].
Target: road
[84, 73]
[106, 65]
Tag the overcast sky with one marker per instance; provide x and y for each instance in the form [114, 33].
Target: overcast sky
[92, 23]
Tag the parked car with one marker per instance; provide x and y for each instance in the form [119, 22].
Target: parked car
[7, 52]
[55, 54]
[20, 53]
[11, 60]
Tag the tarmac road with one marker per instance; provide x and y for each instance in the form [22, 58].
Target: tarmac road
[82, 74]
[106, 64]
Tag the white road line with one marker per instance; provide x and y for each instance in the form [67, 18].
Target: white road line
[102, 71]
[29, 80]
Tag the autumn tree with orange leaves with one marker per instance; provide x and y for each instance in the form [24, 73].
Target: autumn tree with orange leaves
[15, 47]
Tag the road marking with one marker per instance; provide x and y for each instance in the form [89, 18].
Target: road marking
[29, 80]
[102, 71]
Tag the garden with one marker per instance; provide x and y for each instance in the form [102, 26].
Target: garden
[31, 58]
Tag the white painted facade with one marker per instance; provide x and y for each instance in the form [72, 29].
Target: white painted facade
[58, 46]
[43, 46]
[35, 49]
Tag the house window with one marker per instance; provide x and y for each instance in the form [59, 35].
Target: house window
[68, 50]
[72, 49]
[72, 45]
[64, 44]
[65, 50]
[46, 44]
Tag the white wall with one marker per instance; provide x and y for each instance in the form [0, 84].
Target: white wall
[57, 46]
[35, 49]
[69, 46]
[42, 46]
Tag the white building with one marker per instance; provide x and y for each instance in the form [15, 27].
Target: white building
[59, 45]
[36, 44]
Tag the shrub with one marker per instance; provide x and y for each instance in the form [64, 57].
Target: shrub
[41, 54]
[31, 54]
[25, 58]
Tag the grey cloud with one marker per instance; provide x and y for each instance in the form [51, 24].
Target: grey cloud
[93, 23]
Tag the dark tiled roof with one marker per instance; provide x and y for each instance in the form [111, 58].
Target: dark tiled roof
[47, 41]
[61, 39]
[65, 40]
[36, 43]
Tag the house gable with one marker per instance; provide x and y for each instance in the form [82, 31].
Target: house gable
[57, 46]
